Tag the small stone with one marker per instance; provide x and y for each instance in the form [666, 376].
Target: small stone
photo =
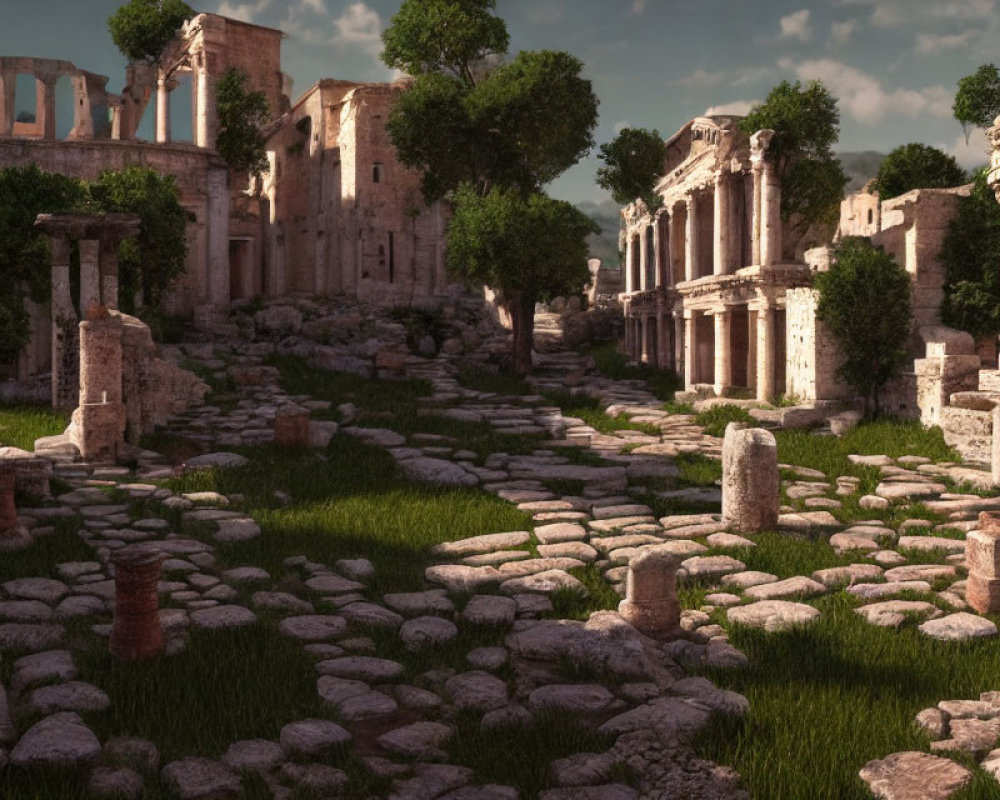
[959, 627]
[487, 658]
[312, 737]
[571, 698]
[122, 784]
[490, 610]
[218, 617]
[259, 755]
[914, 776]
[364, 668]
[313, 628]
[477, 690]
[195, 778]
[420, 740]
[60, 740]
[893, 613]
[773, 615]
[799, 586]
[423, 632]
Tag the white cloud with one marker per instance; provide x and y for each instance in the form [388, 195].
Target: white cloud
[638, 7]
[863, 97]
[548, 13]
[247, 12]
[737, 108]
[970, 154]
[841, 32]
[891, 13]
[359, 25]
[930, 44]
[796, 26]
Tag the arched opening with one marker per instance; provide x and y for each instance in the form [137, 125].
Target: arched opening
[65, 106]
[25, 104]
[181, 129]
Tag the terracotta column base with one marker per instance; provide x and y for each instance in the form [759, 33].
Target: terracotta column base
[136, 634]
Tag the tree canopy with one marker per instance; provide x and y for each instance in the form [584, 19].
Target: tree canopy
[971, 255]
[450, 37]
[916, 166]
[864, 301]
[977, 101]
[633, 162]
[141, 29]
[491, 135]
[806, 124]
[242, 115]
[530, 248]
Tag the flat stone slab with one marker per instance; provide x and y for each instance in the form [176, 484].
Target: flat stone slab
[366, 613]
[218, 617]
[893, 490]
[490, 610]
[851, 574]
[920, 572]
[806, 521]
[220, 459]
[70, 696]
[773, 615]
[45, 590]
[711, 566]
[420, 740]
[460, 579]
[313, 627]
[873, 591]
[433, 601]
[439, 471]
[60, 740]
[426, 632]
[728, 540]
[254, 754]
[914, 776]
[744, 580]
[571, 698]
[24, 636]
[925, 543]
[329, 583]
[959, 627]
[543, 583]
[476, 690]
[312, 737]
[560, 532]
[799, 586]
[363, 668]
[236, 530]
[197, 778]
[893, 613]
[380, 437]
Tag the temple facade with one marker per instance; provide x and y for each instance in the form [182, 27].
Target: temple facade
[707, 271]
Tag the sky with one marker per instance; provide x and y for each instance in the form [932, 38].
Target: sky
[893, 64]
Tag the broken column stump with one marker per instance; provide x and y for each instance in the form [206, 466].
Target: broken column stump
[8, 509]
[650, 603]
[136, 633]
[750, 482]
[291, 427]
[982, 556]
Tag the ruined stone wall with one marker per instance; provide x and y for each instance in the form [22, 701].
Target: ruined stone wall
[811, 352]
[860, 215]
[257, 51]
[198, 174]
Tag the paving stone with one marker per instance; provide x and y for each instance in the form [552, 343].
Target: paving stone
[571, 698]
[313, 628]
[744, 580]
[365, 613]
[431, 781]
[220, 459]
[459, 579]
[258, 755]
[543, 583]
[420, 740]
[851, 574]
[477, 545]
[974, 736]
[893, 613]
[920, 572]
[711, 566]
[316, 779]
[773, 615]
[799, 586]
[69, 696]
[363, 668]
[560, 532]
[434, 601]
[914, 776]
[959, 627]
[46, 590]
[120, 783]
[901, 490]
[281, 601]
[729, 540]
[195, 778]
[489, 610]
[427, 632]
[312, 737]
[218, 617]
[30, 637]
[873, 591]
[59, 740]
[417, 699]
[477, 691]
[25, 611]
[578, 550]
[925, 543]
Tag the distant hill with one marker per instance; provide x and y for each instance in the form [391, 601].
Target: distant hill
[860, 167]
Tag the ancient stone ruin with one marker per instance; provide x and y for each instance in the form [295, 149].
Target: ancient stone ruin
[750, 479]
[136, 633]
[993, 179]
[982, 555]
[651, 603]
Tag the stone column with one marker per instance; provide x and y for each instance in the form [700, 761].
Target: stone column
[628, 331]
[650, 603]
[8, 82]
[644, 338]
[678, 321]
[690, 348]
[765, 354]
[982, 556]
[45, 106]
[750, 480]
[691, 239]
[136, 633]
[676, 240]
[629, 258]
[758, 158]
[108, 268]
[644, 259]
[206, 125]
[723, 204]
[723, 356]
[771, 216]
[162, 110]
[90, 276]
[218, 240]
[658, 277]
[663, 354]
[98, 426]
[65, 366]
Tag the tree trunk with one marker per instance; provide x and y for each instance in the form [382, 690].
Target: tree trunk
[522, 314]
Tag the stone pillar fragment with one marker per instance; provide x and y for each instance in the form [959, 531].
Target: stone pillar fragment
[108, 269]
[762, 200]
[678, 343]
[765, 354]
[691, 239]
[982, 556]
[993, 178]
[750, 480]
[8, 82]
[45, 112]
[90, 276]
[723, 356]
[162, 110]
[650, 603]
[65, 333]
[291, 427]
[644, 339]
[722, 231]
[136, 633]
[690, 348]
[98, 425]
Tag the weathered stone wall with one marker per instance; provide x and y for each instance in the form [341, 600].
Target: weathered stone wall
[860, 215]
[812, 353]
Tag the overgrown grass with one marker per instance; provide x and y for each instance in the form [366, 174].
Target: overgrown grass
[589, 410]
[826, 699]
[502, 382]
[21, 424]
[613, 364]
[45, 552]
[698, 470]
[715, 419]
[350, 501]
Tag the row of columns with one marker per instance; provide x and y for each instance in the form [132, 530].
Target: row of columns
[685, 225]
[204, 122]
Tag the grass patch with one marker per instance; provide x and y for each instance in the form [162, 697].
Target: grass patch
[615, 365]
[40, 558]
[678, 408]
[565, 487]
[826, 699]
[550, 736]
[589, 410]
[698, 470]
[715, 419]
[787, 555]
[502, 382]
[21, 424]
[573, 604]
[348, 502]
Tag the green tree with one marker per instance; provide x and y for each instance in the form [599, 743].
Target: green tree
[633, 163]
[916, 166]
[971, 255]
[502, 238]
[26, 192]
[141, 29]
[864, 301]
[154, 260]
[470, 120]
[977, 101]
[806, 125]
[242, 116]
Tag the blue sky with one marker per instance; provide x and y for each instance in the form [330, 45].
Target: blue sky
[893, 64]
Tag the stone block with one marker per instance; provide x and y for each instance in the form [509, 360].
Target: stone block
[650, 603]
[983, 594]
[982, 553]
[750, 479]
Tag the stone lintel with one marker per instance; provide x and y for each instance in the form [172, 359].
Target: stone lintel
[89, 226]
